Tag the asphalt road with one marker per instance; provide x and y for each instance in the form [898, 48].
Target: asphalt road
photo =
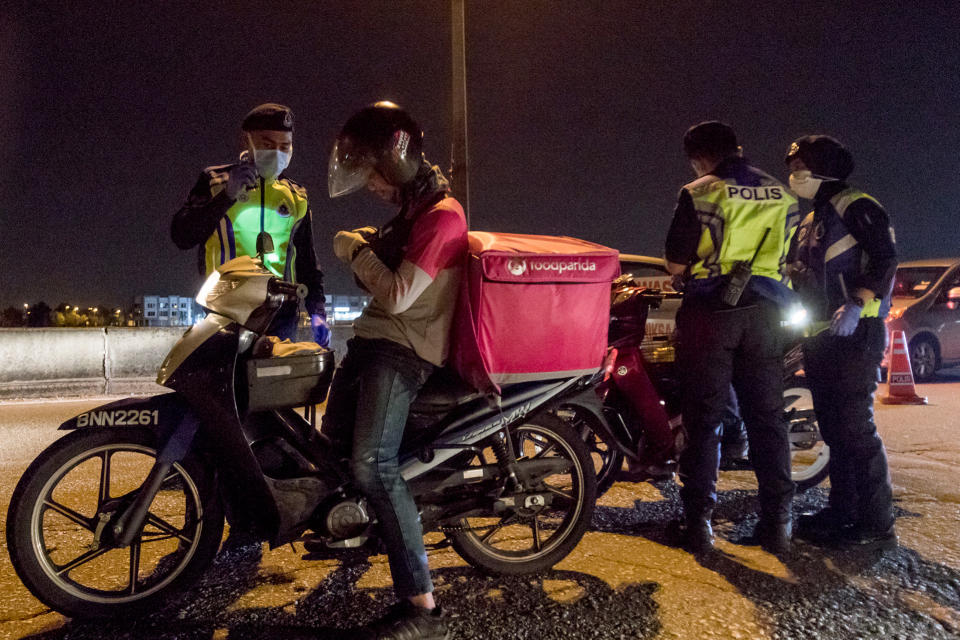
[622, 581]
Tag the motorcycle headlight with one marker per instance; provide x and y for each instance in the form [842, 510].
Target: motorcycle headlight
[214, 287]
[797, 317]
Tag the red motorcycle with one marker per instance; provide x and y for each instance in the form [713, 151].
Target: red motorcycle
[634, 412]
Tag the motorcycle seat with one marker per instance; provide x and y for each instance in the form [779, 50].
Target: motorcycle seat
[443, 391]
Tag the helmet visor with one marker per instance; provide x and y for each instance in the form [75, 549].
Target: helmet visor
[348, 170]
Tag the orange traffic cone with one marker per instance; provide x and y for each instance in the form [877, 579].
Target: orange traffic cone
[900, 389]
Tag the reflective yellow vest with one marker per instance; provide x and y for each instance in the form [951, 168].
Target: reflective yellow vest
[284, 206]
[733, 219]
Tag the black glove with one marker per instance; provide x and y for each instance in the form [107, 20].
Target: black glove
[242, 176]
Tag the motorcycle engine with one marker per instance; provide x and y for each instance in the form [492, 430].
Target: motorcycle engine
[347, 519]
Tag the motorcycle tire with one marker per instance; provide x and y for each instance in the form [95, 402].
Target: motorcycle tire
[67, 497]
[809, 464]
[478, 545]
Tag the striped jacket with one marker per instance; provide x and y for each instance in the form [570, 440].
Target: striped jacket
[224, 229]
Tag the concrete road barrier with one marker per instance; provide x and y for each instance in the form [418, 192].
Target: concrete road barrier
[69, 362]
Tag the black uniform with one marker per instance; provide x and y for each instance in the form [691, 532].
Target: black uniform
[741, 345]
[847, 243]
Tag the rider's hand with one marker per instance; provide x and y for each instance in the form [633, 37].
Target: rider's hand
[346, 243]
[241, 176]
[366, 232]
[321, 331]
[845, 319]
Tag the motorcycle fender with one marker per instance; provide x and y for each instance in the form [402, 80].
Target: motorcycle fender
[589, 404]
[163, 413]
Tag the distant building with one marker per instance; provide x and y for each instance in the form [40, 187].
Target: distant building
[345, 309]
[165, 311]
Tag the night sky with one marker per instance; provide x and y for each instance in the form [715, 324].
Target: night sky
[577, 108]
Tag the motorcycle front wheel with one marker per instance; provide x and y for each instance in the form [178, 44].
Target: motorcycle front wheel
[548, 519]
[809, 454]
[61, 514]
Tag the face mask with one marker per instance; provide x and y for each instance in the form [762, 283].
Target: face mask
[270, 162]
[805, 185]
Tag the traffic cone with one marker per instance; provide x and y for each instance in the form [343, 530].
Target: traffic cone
[900, 388]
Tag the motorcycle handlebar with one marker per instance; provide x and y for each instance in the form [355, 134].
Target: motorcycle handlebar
[287, 289]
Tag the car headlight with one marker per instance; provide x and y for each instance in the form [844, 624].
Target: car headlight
[896, 314]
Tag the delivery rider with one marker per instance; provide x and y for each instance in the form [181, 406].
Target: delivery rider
[412, 268]
[842, 262]
[252, 208]
[729, 236]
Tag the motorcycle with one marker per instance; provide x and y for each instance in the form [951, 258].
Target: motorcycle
[644, 373]
[127, 510]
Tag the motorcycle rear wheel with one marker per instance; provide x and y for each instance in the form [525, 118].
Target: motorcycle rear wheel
[62, 509]
[532, 540]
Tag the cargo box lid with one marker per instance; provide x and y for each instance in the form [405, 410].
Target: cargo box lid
[507, 257]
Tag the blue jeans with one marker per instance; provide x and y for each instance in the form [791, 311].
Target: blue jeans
[366, 413]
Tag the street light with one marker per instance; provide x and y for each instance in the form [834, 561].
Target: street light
[458, 151]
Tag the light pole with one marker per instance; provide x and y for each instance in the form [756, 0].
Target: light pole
[459, 157]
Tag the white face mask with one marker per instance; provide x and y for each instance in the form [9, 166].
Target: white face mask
[270, 162]
[805, 185]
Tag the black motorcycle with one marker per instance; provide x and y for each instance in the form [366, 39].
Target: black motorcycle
[128, 508]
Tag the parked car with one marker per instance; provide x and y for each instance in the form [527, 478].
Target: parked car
[926, 306]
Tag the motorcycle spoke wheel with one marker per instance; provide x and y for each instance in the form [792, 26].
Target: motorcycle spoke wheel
[61, 520]
[607, 460]
[80, 555]
[548, 518]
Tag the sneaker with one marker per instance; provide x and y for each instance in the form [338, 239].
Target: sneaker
[406, 621]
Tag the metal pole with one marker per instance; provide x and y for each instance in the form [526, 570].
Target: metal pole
[459, 164]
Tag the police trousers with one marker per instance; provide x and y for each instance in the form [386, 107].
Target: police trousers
[842, 373]
[741, 346]
[366, 413]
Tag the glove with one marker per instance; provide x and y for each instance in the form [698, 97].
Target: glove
[346, 243]
[242, 176]
[845, 319]
[321, 332]
[366, 232]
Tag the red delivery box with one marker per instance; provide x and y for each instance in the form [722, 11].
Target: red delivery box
[531, 308]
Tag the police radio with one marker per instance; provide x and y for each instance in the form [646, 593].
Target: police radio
[739, 276]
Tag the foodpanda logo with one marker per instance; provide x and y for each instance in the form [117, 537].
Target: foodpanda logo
[517, 266]
[562, 266]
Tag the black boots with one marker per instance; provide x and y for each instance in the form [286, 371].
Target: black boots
[774, 537]
[693, 534]
[828, 527]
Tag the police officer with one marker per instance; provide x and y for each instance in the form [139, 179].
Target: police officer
[843, 260]
[253, 208]
[729, 235]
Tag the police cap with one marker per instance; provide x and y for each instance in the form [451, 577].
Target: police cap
[822, 155]
[268, 117]
[712, 139]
